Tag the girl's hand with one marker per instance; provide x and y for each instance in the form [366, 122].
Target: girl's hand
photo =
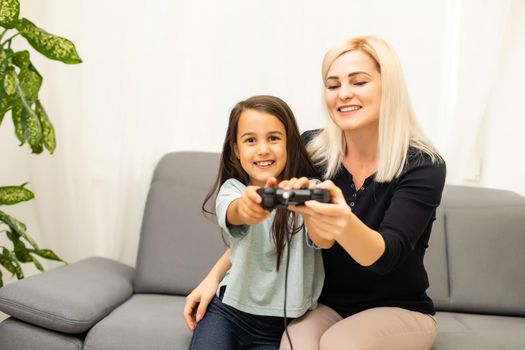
[198, 300]
[249, 209]
[296, 183]
[327, 221]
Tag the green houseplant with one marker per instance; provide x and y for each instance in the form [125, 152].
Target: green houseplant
[20, 83]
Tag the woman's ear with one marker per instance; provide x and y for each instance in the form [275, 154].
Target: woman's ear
[236, 151]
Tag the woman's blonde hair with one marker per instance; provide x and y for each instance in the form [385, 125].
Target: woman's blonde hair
[398, 127]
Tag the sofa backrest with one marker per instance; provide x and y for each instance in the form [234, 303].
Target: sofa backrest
[476, 258]
[178, 245]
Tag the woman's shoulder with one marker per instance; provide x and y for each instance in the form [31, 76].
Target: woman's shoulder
[425, 164]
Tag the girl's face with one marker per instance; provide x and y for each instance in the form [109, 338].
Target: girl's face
[260, 145]
[353, 91]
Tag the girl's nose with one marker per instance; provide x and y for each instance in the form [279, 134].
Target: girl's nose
[263, 148]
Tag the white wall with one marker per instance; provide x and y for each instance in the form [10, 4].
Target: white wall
[504, 140]
[162, 75]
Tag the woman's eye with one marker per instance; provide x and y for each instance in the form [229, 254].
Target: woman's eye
[332, 87]
[359, 83]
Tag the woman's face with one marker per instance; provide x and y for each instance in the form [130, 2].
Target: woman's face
[353, 91]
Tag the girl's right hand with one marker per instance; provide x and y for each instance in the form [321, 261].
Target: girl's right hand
[249, 207]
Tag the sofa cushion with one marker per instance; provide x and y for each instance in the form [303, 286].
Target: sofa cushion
[70, 298]
[146, 321]
[457, 331]
[178, 245]
[483, 245]
[17, 335]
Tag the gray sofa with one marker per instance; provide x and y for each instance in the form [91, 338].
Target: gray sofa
[475, 262]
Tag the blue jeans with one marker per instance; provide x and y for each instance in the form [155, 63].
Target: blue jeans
[225, 328]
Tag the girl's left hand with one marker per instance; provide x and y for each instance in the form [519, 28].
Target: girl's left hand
[296, 183]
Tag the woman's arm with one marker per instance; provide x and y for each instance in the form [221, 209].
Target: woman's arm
[335, 221]
[198, 300]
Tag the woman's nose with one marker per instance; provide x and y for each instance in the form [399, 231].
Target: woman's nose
[345, 92]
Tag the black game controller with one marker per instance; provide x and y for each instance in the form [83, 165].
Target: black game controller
[280, 198]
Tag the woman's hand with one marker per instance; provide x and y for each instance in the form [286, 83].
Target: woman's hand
[198, 300]
[330, 222]
[327, 221]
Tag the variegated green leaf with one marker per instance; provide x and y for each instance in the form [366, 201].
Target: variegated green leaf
[10, 82]
[37, 263]
[46, 253]
[21, 59]
[18, 228]
[30, 83]
[9, 11]
[10, 195]
[16, 114]
[32, 129]
[51, 46]
[48, 130]
[8, 260]
[20, 250]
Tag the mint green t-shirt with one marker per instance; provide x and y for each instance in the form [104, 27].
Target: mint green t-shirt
[253, 284]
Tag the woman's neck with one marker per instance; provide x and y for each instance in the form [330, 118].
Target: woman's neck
[361, 155]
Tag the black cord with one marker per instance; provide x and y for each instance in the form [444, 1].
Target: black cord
[285, 294]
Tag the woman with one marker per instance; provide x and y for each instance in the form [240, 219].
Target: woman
[386, 180]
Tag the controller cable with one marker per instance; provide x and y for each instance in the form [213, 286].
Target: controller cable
[285, 293]
[286, 282]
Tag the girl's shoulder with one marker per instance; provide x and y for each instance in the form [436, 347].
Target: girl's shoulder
[232, 185]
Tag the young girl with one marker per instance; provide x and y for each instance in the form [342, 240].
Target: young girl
[276, 271]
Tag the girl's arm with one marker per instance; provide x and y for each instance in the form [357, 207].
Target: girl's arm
[197, 301]
[246, 210]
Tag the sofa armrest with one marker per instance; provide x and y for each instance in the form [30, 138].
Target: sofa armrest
[71, 298]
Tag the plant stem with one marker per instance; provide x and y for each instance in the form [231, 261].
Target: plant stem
[3, 33]
[9, 39]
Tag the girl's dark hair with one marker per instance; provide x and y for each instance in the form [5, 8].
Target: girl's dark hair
[298, 163]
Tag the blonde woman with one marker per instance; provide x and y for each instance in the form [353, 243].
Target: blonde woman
[386, 180]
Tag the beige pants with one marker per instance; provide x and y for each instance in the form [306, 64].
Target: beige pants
[382, 328]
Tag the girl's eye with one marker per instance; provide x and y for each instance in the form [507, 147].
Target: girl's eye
[274, 138]
[359, 83]
[249, 140]
[332, 87]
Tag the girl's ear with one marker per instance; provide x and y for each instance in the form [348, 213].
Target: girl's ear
[236, 151]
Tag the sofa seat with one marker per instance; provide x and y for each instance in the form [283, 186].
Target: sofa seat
[459, 331]
[145, 321]
[18, 335]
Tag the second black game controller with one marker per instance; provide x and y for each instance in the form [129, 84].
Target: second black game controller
[281, 198]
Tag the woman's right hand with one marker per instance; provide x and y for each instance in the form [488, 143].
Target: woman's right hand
[198, 300]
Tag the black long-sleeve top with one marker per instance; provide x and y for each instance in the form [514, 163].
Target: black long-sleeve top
[402, 211]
